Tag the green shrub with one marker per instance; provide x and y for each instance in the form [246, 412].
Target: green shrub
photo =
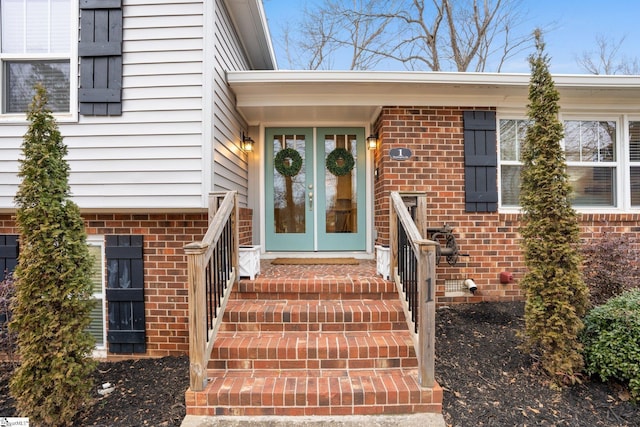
[611, 267]
[7, 337]
[556, 296]
[612, 340]
[53, 282]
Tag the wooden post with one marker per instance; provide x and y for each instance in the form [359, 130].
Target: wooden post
[197, 316]
[393, 240]
[427, 310]
[214, 203]
[421, 214]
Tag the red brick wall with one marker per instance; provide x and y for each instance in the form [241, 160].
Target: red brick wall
[165, 268]
[165, 276]
[435, 137]
[246, 226]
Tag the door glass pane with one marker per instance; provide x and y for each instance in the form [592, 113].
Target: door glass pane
[340, 183]
[289, 180]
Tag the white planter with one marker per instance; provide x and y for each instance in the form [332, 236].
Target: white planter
[249, 261]
[382, 261]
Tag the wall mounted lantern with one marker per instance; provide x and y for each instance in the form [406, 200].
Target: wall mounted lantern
[247, 143]
[372, 141]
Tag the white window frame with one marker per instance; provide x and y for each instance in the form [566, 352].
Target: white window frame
[626, 174]
[100, 351]
[617, 164]
[72, 57]
[501, 207]
[622, 191]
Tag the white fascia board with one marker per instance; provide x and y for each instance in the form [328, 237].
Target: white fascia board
[450, 78]
[250, 21]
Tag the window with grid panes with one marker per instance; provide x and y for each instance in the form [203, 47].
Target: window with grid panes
[35, 48]
[591, 155]
[511, 133]
[634, 162]
[97, 325]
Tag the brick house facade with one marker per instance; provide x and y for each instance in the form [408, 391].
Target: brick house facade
[165, 269]
[435, 136]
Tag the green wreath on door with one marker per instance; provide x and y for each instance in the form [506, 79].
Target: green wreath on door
[340, 154]
[294, 165]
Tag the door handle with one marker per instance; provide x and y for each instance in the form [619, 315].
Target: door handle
[310, 200]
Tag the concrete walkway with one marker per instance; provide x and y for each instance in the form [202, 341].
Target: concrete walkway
[415, 420]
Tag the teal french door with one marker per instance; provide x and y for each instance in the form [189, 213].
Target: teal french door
[315, 189]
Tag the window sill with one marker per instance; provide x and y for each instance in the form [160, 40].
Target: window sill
[22, 118]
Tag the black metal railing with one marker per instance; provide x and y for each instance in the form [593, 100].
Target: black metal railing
[408, 274]
[217, 273]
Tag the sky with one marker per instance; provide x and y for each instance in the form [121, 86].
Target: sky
[572, 27]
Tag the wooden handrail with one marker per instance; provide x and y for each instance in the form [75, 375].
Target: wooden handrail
[424, 251]
[207, 303]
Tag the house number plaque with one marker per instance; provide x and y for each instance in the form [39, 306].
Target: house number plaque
[400, 154]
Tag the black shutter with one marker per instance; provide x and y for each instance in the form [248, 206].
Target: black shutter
[480, 161]
[125, 294]
[8, 253]
[100, 51]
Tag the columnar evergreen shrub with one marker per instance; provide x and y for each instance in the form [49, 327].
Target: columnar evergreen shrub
[53, 281]
[612, 340]
[556, 296]
[7, 337]
[611, 266]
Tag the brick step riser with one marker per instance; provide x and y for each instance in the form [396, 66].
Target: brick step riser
[312, 296]
[319, 286]
[236, 349]
[356, 395]
[312, 364]
[313, 327]
[326, 312]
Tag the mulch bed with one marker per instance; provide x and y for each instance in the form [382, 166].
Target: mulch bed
[487, 381]
[147, 392]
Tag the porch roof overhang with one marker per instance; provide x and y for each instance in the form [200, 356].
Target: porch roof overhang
[357, 96]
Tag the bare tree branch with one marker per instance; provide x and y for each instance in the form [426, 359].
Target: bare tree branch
[605, 59]
[432, 35]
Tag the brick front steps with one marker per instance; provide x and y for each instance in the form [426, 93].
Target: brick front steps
[314, 347]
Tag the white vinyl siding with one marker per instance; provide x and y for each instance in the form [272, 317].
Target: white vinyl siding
[150, 157]
[229, 161]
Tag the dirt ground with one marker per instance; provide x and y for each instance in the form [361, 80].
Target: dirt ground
[487, 381]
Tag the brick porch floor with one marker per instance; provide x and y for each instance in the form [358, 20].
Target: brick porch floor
[314, 340]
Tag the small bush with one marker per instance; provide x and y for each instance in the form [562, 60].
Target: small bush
[611, 267]
[7, 337]
[612, 340]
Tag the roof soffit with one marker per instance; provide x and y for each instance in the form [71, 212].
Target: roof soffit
[309, 94]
